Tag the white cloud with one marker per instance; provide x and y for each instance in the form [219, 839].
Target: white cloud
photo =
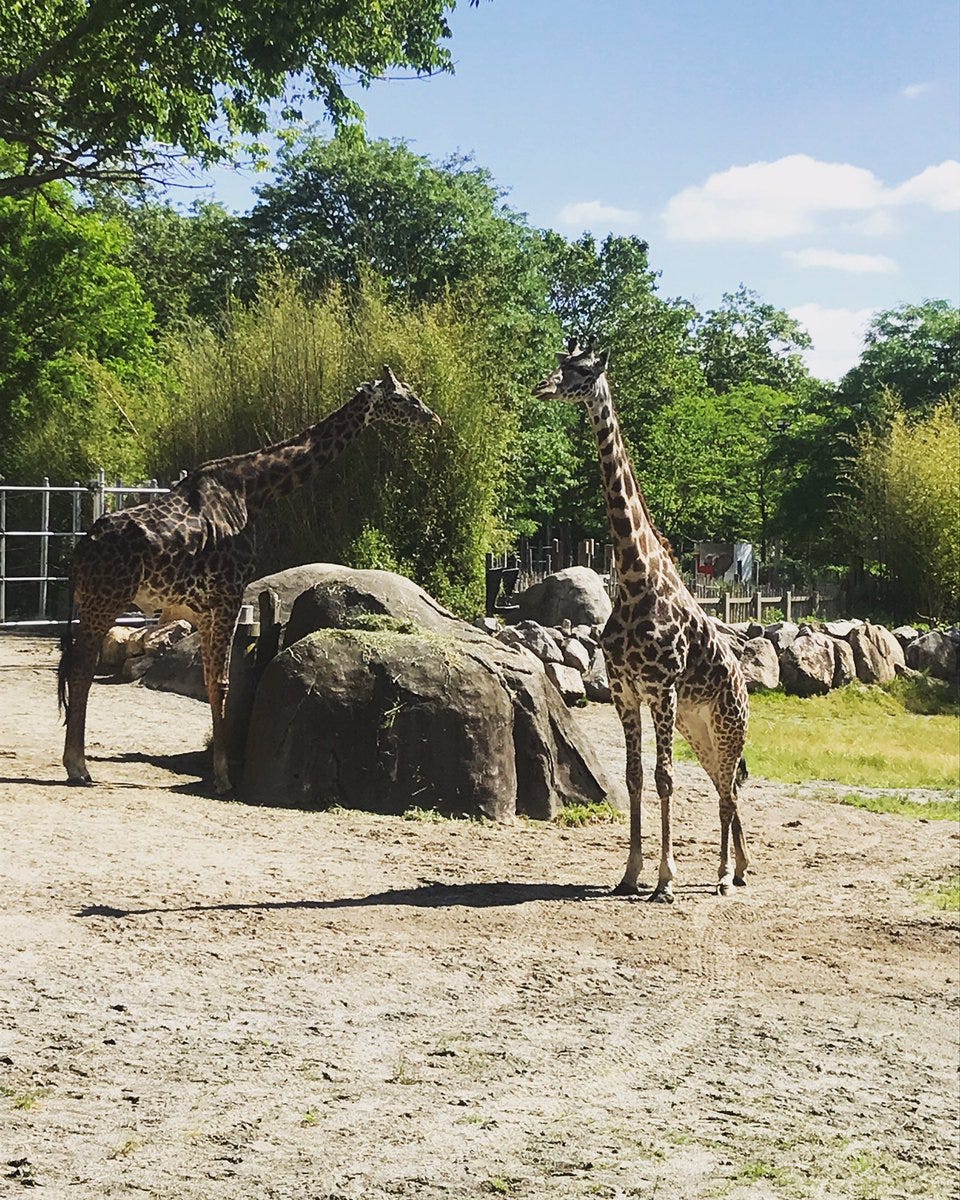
[913, 90]
[599, 217]
[837, 335]
[764, 201]
[838, 260]
[938, 187]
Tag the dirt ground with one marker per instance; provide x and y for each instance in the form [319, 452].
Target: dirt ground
[204, 1000]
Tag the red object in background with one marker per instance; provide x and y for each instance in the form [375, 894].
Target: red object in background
[704, 568]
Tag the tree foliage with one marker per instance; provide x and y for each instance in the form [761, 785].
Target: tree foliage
[76, 347]
[106, 89]
[746, 340]
[905, 509]
[913, 351]
[430, 502]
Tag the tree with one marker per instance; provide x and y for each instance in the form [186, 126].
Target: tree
[904, 509]
[89, 89]
[341, 206]
[75, 342]
[748, 341]
[912, 351]
[188, 264]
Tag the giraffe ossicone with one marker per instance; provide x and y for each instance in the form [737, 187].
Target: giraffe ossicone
[660, 647]
[192, 551]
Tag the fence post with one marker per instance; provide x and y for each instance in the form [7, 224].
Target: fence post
[3, 557]
[99, 489]
[786, 603]
[726, 608]
[44, 544]
[758, 605]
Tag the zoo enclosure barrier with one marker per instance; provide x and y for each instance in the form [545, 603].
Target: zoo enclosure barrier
[35, 553]
[509, 574]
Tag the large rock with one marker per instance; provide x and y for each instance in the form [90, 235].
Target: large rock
[576, 594]
[807, 665]
[576, 655]
[595, 681]
[113, 652]
[535, 638]
[841, 629]
[782, 634]
[905, 634]
[844, 664]
[382, 720]
[303, 711]
[760, 665]
[876, 653]
[936, 653]
[568, 681]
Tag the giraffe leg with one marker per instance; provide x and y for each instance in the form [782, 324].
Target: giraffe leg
[77, 667]
[216, 640]
[630, 719]
[664, 713]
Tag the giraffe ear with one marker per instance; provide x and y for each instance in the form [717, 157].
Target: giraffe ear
[602, 359]
[389, 377]
[573, 345]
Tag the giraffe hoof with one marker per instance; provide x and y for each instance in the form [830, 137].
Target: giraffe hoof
[660, 896]
[624, 888]
[723, 889]
[80, 781]
[739, 881]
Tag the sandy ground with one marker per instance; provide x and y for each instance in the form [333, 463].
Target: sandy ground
[205, 1000]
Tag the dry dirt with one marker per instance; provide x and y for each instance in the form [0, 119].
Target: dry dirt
[205, 1000]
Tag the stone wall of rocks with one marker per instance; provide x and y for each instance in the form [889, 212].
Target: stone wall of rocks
[806, 660]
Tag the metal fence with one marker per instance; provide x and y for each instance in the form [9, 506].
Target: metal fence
[35, 552]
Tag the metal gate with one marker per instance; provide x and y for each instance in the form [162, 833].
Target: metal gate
[35, 553]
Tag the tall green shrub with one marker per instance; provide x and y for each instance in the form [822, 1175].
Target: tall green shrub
[906, 510]
[286, 361]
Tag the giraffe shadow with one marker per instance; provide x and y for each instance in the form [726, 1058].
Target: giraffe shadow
[188, 762]
[429, 894]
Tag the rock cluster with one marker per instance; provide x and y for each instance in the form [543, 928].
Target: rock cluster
[811, 659]
[571, 656]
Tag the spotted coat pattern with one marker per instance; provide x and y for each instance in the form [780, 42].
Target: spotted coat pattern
[191, 552]
[662, 650]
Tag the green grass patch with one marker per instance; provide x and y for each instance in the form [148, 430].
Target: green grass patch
[946, 895]
[901, 806]
[858, 736]
[599, 812]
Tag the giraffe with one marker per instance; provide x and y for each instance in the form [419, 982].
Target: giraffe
[660, 647]
[191, 552]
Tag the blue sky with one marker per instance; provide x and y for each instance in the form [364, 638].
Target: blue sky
[808, 150]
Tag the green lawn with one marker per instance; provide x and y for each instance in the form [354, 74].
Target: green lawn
[906, 735]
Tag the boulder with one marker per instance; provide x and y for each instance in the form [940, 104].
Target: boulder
[180, 670]
[595, 681]
[844, 664]
[905, 634]
[381, 721]
[134, 643]
[807, 665]
[936, 653]
[576, 594]
[162, 637]
[135, 668]
[760, 665]
[782, 634]
[538, 641]
[553, 763]
[113, 652]
[841, 629]
[876, 653]
[575, 654]
[586, 634]
[568, 681]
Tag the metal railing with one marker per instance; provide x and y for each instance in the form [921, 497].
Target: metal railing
[85, 503]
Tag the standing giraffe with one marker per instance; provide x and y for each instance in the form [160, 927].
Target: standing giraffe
[192, 551]
[660, 647]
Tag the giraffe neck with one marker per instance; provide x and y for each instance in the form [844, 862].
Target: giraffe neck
[641, 557]
[276, 470]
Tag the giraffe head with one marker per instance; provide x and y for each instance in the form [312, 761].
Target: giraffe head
[576, 375]
[395, 402]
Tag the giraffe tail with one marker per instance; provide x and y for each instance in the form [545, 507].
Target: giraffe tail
[742, 772]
